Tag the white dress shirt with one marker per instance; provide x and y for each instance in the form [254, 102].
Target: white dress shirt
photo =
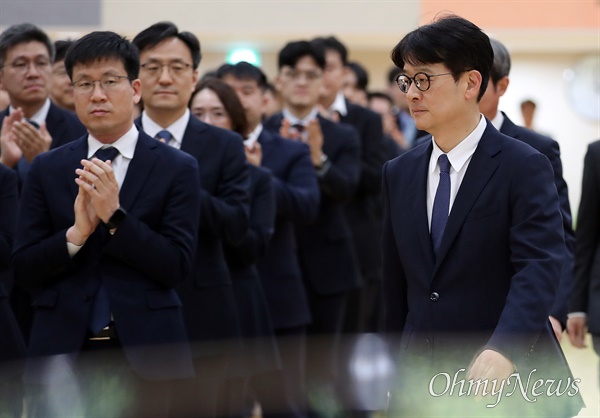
[176, 129]
[459, 157]
[253, 137]
[40, 116]
[339, 105]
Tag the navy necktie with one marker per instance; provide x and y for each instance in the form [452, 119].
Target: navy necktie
[441, 204]
[101, 304]
[164, 135]
[108, 153]
[33, 123]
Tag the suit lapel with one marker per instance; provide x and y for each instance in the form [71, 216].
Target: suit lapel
[192, 141]
[79, 150]
[418, 197]
[480, 170]
[139, 169]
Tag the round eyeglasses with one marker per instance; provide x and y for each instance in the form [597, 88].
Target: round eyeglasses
[421, 80]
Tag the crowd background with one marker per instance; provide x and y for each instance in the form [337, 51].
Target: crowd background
[549, 42]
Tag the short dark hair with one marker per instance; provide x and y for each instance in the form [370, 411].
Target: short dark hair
[293, 51]
[231, 102]
[155, 34]
[61, 47]
[501, 66]
[20, 34]
[244, 71]
[362, 76]
[380, 95]
[393, 74]
[451, 40]
[334, 44]
[103, 45]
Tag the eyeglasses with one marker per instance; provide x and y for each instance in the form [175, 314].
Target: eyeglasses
[295, 75]
[108, 83]
[21, 67]
[421, 80]
[154, 69]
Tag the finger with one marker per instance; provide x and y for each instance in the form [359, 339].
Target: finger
[83, 185]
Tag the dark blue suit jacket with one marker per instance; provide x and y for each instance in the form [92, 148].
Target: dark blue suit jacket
[150, 254]
[550, 148]
[586, 289]
[499, 262]
[12, 345]
[363, 211]
[224, 200]
[322, 244]
[297, 203]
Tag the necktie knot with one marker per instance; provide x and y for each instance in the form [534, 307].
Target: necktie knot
[444, 163]
[108, 153]
[33, 123]
[164, 135]
[299, 127]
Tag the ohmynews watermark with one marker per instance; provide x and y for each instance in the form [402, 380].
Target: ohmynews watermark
[529, 389]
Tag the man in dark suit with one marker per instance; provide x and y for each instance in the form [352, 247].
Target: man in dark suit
[26, 56]
[489, 107]
[335, 155]
[361, 211]
[473, 242]
[12, 346]
[584, 308]
[169, 72]
[297, 201]
[61, 90]
[102, 247]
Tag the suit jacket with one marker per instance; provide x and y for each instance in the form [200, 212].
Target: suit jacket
[224, 192]
[139, 266]
[493, 282]
[586, 288]
[12, 345]
[362, 212]
[297, 203]
[328, 240]
[551, 149]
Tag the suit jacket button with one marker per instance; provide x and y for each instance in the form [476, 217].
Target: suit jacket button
[434, 296]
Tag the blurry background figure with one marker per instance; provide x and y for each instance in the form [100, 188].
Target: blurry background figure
[273, 99]
[355, 84]
[4, 100]
[394, 140]
[528, 107]
[216, 103]
[61, 90]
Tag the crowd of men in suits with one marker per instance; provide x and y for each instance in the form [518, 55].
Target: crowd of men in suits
[214, 279]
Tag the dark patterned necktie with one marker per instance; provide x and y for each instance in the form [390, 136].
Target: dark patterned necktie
[441, 204]
[108, 153]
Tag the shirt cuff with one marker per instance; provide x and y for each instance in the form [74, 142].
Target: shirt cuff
[577, 315]
[73, 249]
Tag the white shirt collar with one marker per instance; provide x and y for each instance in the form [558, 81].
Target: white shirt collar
[461, 153]
[176, 129]
[126, 144]
[296, 121]
[339, 105]
[253, 137]
[498, 120]
[40, 116]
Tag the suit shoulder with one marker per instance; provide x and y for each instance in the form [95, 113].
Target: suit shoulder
[354, 109]
[594, 148]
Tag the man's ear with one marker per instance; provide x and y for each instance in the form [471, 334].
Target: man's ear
[194, 79]
[502, 85]
[473, 80]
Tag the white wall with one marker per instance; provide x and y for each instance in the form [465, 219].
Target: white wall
[540, 77]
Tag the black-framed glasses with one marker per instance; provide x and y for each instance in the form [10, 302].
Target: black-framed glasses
[108, 83]
[154, 68]
[421, 80]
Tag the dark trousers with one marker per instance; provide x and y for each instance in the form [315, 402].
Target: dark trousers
[281, 393]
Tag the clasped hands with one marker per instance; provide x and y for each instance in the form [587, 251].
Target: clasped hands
[97, 198]
[314, 138]
[19, 138]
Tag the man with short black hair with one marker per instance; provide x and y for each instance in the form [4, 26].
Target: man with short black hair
[473, 242]
[101, 244]
[61, 90]
[169, 72]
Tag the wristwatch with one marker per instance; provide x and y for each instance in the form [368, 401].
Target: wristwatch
[322, 162]
[116, 219]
